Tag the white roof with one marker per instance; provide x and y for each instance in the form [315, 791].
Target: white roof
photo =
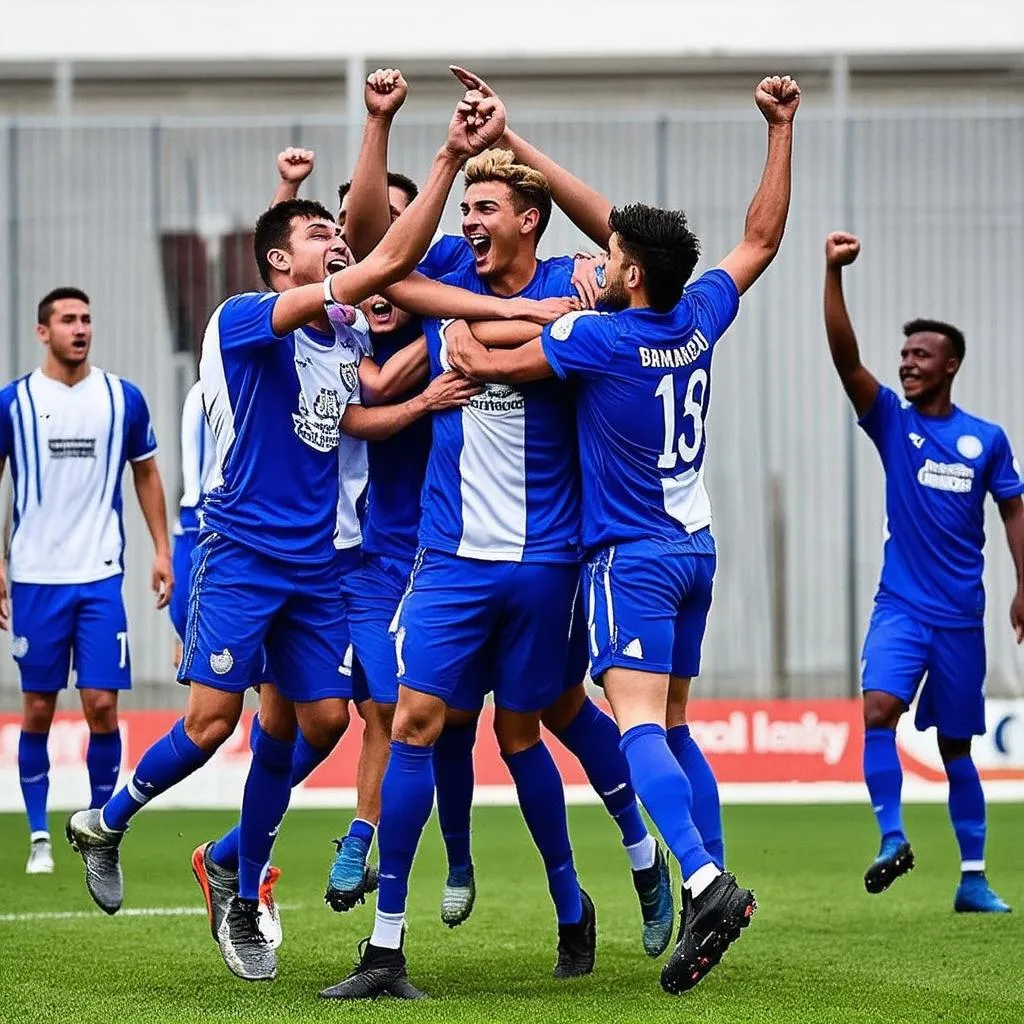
[473, 30]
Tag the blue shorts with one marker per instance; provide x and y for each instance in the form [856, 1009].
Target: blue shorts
[900, 650]
[647, 607]
[181, 563]
[243, 601]
[57, 625]
[465, 623]
[578, 658]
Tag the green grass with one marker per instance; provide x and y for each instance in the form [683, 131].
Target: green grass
[819, 949]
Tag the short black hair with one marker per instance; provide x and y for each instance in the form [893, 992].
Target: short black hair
[661, 243]
[46, 303]
[953, 334]
[395, 180]
[274, 229]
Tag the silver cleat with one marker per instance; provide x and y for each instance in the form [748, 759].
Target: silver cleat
[243, 945]
[458, 897]
[40, 857]
[98, 847]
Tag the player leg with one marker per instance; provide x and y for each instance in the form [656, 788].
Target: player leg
[42, 627]
[234, 595]
[443, 620]
[103, 669]
[531, 656]
[893, 660]
[953, 700]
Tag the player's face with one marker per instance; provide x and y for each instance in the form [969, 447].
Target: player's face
[68, 333]
[615, 295]
[316, 250]
[492, 227]
[927, 366]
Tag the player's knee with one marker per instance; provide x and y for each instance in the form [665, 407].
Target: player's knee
[326, 724]
[100, 709]
[418, 725]
[37, 711]
[882, 710]
[208, 728]
[516, 732]
[563, 712]
[951, 749]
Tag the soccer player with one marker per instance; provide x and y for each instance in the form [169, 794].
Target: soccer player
[68, 429]
[276, 381]
[939, 463]
[644, 385]
[576, 720]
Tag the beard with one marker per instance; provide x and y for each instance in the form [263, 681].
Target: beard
[614, 298]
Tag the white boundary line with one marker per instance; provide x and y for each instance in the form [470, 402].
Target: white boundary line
[79, 915]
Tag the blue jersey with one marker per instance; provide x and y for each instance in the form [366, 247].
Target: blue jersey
[397, 468]
[446, 255]
[937, 471]
[642, 402]
[274, 404]
[503, 478]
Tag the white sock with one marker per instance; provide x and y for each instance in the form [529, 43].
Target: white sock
[641, 855]
[972, 865]
[701, 879]
[387, 930]
[38, 835]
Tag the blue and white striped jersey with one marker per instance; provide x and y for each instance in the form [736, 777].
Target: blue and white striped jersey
[198, 459]
[67, 447]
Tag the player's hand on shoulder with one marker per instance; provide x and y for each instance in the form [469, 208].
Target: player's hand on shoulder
[841, 249]
[162, 580]
[542, 311]
[385, 92]
[777, 97]
[477, 124]
[295, 165]
[588, 278]
[451, 390]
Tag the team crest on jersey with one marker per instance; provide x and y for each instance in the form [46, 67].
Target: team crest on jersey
[969, 446]
[349, 376]
[319, 427]
[222, 663]
[19, 646]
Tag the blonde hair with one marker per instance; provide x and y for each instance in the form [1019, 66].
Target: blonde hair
[529, 187]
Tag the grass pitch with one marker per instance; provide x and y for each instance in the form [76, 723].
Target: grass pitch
[819, 949]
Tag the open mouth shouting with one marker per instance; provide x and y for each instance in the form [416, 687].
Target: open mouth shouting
[481, 245]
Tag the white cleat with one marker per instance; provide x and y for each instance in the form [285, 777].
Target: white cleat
[40, 858]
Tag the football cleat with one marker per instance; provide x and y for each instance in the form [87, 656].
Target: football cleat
[458, 896]
[351, 878]
[243, 945]
[577, 943]
[98, 847]
[378, 972]
[709, 924]
[975, 896]
[895, 858]
[654, 889]
[40, 857]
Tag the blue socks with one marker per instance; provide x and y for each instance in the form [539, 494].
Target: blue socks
[407, 796]
[594, 738]
[884, 777]
[665, 792]
[268, 788]
[362, 830]
[306, 757]
[34, 775]
[542, 801]
[172, 758]
[103, 759]
[453, 777]
[967, 812]
[706, 809]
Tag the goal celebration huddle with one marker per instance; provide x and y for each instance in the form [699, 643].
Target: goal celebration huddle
[426, 471]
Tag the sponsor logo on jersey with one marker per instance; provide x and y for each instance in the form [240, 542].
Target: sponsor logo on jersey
[72, 447]
[670, 358]
[499, 399]
[19, 646]
[319, 427]
[946, 476]
[222, 663]
[969, 446]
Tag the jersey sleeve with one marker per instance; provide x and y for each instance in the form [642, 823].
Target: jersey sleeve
[579, 342]
[717, 302]
[1004, 480]
[447, 254]
[7, 396]
[878, 419]
[245, 321]
[139, 436]
[432, 332]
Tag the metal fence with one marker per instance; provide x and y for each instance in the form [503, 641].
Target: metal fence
[937, 196]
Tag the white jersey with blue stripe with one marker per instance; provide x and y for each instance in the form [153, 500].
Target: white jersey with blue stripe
[67, 447]
[198, 459]
[274, 403]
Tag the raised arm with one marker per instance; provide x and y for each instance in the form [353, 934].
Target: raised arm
[476, 125]
[841, 250]
[368, 212]
[581, 203]
[294, 166]
[150, 491]
[1012, 512]
[777, 99]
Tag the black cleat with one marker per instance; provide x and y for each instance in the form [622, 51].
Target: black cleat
[577, 943]
[709, 924]
[895, 858]
[379, 972]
